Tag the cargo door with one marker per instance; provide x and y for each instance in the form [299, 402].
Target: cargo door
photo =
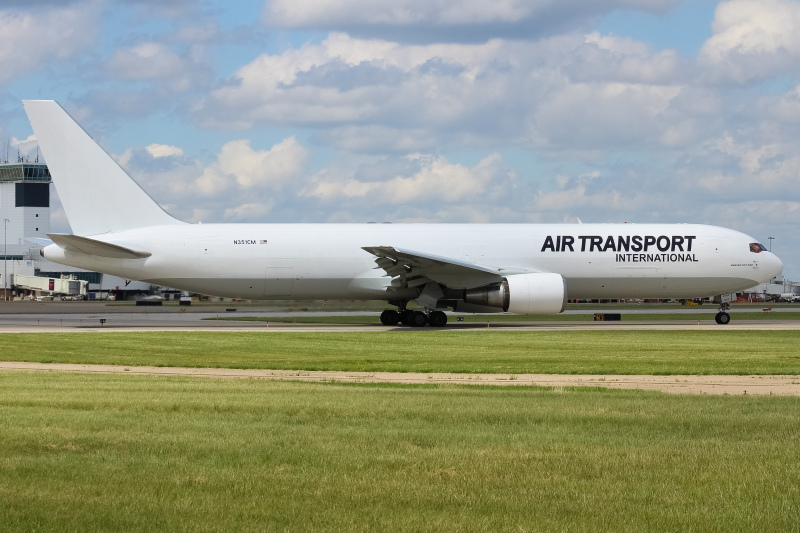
[279, 281]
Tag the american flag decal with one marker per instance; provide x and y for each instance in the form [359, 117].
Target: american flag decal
[262, 241]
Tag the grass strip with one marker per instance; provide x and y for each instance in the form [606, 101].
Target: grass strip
[130, 453]
[411, 350]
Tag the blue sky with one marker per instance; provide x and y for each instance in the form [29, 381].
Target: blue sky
[429, 110]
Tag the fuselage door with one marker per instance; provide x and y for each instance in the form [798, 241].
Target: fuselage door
[279, 281]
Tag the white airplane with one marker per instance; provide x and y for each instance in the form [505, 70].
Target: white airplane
[518, 268]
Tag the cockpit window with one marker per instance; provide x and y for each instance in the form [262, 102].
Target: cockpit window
[757, 247]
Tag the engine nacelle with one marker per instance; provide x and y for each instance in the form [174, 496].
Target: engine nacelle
[525, 294]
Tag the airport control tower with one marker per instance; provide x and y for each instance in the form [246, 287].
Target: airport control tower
[24, 212]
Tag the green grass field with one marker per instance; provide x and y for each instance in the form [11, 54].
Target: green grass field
[132, 453]
[551, 352]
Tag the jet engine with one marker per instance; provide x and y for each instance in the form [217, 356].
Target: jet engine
[539, 293]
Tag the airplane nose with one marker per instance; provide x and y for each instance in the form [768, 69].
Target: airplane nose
[774, 265]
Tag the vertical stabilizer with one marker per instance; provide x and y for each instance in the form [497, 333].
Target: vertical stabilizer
[97, 195]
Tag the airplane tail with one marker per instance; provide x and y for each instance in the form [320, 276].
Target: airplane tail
[97, 195]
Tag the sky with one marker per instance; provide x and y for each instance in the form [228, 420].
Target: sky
[638, 111]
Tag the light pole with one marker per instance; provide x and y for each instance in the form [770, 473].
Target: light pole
[770, 242]
[5, 260]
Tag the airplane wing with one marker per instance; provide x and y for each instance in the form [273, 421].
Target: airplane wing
[85, 245]
[415, 269]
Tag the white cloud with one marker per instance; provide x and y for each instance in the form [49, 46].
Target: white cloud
[753, 39]
[248, 212]
[145, 61]
[25, 147]
[581, 198]
[199, 214]
[143, 158]
[158, 63]
[30, 41]
[198, 33]
[778, 212]
[784, 108]
[238, 163]
[436, 180]
[605, 115]
[617, 59]
[378, 138]
[163, 150]
[371, 95]
[171, 9]
[472, 20]
[400, 12]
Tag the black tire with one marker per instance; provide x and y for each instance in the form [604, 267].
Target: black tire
[418, 319]
[405, 317]
[437, 319]
[390, 317]
[722, 318]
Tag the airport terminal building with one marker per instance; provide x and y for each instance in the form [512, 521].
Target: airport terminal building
[25, 189]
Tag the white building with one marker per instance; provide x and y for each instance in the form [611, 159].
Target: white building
[25, 214]
[775, 288]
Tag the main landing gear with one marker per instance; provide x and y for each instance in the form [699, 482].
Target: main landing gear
[390, 317]
[417, 319]
[723, 317]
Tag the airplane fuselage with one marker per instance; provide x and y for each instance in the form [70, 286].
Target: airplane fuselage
[327, 261]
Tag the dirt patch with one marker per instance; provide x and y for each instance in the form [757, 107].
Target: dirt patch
[775, 385]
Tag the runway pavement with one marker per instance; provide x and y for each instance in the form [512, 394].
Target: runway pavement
[96, 316]
[136, 319]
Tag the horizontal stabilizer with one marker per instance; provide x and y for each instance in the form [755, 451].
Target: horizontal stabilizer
[84, 245]
[39, 241]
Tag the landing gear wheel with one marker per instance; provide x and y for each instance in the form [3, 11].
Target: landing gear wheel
[418, 319]
[437, 319]
[390, 317]
[722, 318]
[405, 317]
